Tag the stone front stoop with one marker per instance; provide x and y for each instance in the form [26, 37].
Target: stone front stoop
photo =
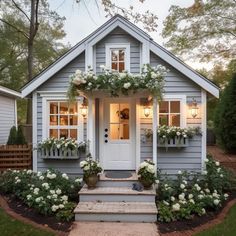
[114, 200]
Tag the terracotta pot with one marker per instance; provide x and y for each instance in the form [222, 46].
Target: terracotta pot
[91, 181]
[147, 184]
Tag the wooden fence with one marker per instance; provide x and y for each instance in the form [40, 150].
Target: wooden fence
[15, 157]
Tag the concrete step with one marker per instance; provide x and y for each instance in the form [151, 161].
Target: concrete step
[112, 182]
[116, 211]
[116, 194]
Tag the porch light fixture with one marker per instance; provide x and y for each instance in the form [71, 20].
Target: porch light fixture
[84, 109]
[147, 111]
[194, 108]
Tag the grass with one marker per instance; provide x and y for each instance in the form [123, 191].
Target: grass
[11, 227]
[226, 228]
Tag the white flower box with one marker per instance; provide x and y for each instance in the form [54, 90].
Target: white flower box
[57, 154]
[173, 143]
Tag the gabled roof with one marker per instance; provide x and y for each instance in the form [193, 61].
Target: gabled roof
[101, 32]
[9, 92]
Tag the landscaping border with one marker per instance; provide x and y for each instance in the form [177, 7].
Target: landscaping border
[4, 205]
[219, 219]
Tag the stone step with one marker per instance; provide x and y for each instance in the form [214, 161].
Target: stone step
[115, 182]
[116, 211]
[116, 194]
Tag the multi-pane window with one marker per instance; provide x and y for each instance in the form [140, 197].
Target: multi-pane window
[118, 59]
[63, 119]
[169, 113]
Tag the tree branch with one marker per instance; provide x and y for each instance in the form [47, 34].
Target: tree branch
[14, 27]
[17, 6]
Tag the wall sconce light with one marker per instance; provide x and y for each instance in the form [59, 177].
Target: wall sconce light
[194, 108]
[84, 109]
[147, 111]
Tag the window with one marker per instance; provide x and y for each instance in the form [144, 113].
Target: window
[170, 113]
[117, 56]
[63, 119]
[119, 121]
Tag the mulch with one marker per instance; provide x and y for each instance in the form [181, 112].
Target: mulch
[197, 223]
[18, 210]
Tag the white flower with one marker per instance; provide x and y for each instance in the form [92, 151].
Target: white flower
[45, 185]
[217, 163]
[176, 207]
[127, 85]
[172, 198]
[157, 181]
[182, 186]
[203, 211]
[216, 195]
[206, 160]
[64, 198]
[179, 172]
[52, 191]
[200, 196]
[192, 201]
[29, 197]
[54, 196]
[218, 170]
[185, 182]
[166, 203]
[197, 187]
[204, 172]
[143, 164]
[58, 191]
[86, 168]
[178, 133]
[41, 177]
[78, 180]
[18, 181]
[190, 196]
[207, 190]
[54, 208]
[29, 172]
[151, 169]
[36, 191]
[216, 202]
[221, 175]
[65, 176]
[49, 197]
[38, 199]
[61, 206]
[226, 195]
[102, 67]
[83, 163]
[182, 196]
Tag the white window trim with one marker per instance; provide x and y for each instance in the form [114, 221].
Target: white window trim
[125, 46]
[182, 99]
[45, 115]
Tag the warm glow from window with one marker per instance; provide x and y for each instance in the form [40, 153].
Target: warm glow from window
[63, 119]
[169, 113]
[118, 59]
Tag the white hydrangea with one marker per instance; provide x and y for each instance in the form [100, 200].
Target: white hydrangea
[41, 177]
[203, 211]
[217, 163]
[29, 172]
[64, 198]
[182, 186]
[182, 196]
[207, 190]
[190, 196]
[166, 203]
[86, 168]
[83, 163]
[216, 201]
[78, 180]
[218, 170]
[176, 207]
[127, 85]
[226, 195]
[58, 191]
[52, 191]
[61, 206]
[151, 169]
[179, 172]
[29, 196]
[192, 201]
[36, 191]
[172, 198]
[200, 196]
[54, 208]
[65, 176]
[45, 185]
[54, 196]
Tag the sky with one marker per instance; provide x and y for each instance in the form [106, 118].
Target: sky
[83, 19]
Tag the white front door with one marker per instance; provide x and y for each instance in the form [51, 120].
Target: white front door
[118, 134]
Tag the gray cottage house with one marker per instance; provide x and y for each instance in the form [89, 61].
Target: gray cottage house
[8, 112]
[120, 143]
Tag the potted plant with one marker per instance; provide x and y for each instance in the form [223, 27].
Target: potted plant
[91, 170]
[146, 174]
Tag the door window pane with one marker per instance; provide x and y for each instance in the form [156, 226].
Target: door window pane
[121, 66]
[174, 120]
[119, 121]
[53, 133]
[163, 120]
[63, 133]
[114, 66]
[73, 133]
[175, 106]
[164, 107]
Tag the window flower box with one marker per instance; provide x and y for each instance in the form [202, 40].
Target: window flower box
[173, 142]
[58, 154]
[62, 149]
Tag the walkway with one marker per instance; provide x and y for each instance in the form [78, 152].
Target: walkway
[113, 229]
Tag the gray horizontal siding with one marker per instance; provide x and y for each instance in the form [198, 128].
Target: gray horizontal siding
[119, 36]
[7, 117]
[60, 82]
[174, 159]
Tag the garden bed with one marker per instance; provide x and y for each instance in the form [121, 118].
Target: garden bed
[183, 225]
[20, 208]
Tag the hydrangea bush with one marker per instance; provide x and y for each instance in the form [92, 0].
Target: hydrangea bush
[193, 194]
[146, 171]
[151, 79]
[50, 193]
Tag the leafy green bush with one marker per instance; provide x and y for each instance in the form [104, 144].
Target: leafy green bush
[192, 193]
[225, 118]
[12, 136]
[50, 193]
[20, 138]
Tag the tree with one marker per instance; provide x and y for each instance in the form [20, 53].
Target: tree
[225, 117]
[12, 136]
[20, 138]
[33, 34]
[205, 30]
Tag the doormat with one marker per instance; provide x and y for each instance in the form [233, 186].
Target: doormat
[118, 174]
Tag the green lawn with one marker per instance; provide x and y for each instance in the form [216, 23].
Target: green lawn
[11, 227]
[226, 228]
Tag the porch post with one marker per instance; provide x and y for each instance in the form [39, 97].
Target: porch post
[154, 128]
[91, 126]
